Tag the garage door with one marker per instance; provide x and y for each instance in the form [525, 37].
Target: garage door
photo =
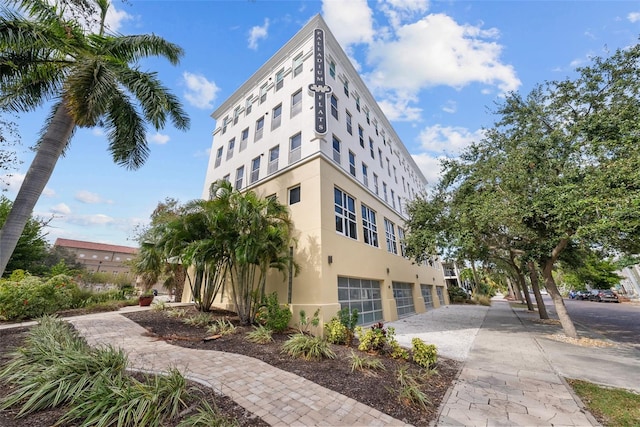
[427, 296]
[363, 295]
[440, 291]
[403, 294]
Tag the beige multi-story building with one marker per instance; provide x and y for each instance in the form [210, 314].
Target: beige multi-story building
[306, 129]
[100, 257]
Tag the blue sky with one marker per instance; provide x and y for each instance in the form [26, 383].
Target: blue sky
[436, 68]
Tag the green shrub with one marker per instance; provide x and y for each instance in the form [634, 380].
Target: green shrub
[482, 299]
[272, 315]
[425, 355]
[410, 392]
[308, 347]
[306, 321]
[222, 327]
[457, 295]
[374, 339]
[260, 335]
[32, 297]
[335, 331]
[176, 313]
[200, 319]
[365, 363]
[349, 319]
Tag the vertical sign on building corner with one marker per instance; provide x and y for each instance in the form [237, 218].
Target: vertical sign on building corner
[319, 88]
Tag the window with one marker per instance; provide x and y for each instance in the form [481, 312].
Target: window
[259, 129]
[395, 174]
[371, 148]
[380, 158]
[399, 204]
[366, 113]
[239, 177]
[218, 157]
[384, 191]
[255, 170]
[358, 103]
[403, 248]
[225, 122]
[334, 106]
[365, 174]
[369, 227]
[404, 187]
[375, 125]
[295, 143]
[244, 139]
[274, 155]
[263, 93]
[361, 135]
[336, 150]
[296, 103]
[279, 79]
[393, 199]
[294, 195]
[390, 236]
[345, 85]
[297, 64]
[375, 183]
[227, 178]
[388, 167]
[236, 115]
[352, 163]
[247, 108]
[276, 116]
[232, 144]
[349, 127]
[345, 210]
[332, 69]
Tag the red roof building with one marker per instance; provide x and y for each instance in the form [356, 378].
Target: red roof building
[96, 257]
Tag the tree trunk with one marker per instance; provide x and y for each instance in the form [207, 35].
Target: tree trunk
[476, 282]
[547, 269]
[180, 278]
[533, 275]
[520, 280]
[49, 151]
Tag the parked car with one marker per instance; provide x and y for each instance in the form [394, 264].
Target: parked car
[603, 295]
[582, 295]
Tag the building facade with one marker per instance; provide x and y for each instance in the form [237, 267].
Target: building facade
[100, 257]
[305, 129]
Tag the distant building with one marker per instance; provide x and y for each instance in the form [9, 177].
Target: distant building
[100, 257]
[630, 284]
[305, 129]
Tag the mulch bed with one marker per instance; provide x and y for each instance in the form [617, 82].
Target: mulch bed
[379, 390]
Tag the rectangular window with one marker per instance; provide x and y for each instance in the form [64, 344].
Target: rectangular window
[346, 87]
[358, 103]
[375, 183]
[334, 106]
[263, 93]
[393, 199]
[403, 248]
[349, 127]
[395, 174]
[232, 144]
[380, 158]
[361, 135]
[276, 116]
[336, 150]
[388, 167]
[236, 115]
[366, 113]
[255, 170]
[244, 139]
[332, 69]
[399, 204]
[248, 105]
[279, 79]
[345, 211]
[295, 147]
[391, 236]
[375, 125]
[225, 122]
[218, 157]
[384, 191]
[296, 103]
[274, 155]
[371, 148]
[294, 195]
[365, 174]
[352, 163]
[239, 177]
[297, 64]
[259, 129]
[227, 177]
[369, 227]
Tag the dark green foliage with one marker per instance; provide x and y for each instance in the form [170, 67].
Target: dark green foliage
[425, 355]
[272, 315]
[308, 347]
[457, 295]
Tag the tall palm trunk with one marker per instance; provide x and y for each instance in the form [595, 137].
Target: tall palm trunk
[49, 151]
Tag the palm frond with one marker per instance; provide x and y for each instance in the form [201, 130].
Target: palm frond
[126, 132]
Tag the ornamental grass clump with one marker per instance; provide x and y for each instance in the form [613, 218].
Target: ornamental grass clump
[260, 335]
[308, 347]
[222, 327]
[201, 320]
[365, 364]
[410, 392]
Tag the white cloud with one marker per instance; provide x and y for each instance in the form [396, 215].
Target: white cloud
[115, 18]
[450, 107]
[429, 166]
[61, 209]
[257, 33]
[351, 22]
[200, 92]
[88, 197]
[97, 131]
[97, 219]
[436, 50]
[397, 108]
[398, 11]
[159, 138]
[633, 17]
[13, 182]
[448, 140]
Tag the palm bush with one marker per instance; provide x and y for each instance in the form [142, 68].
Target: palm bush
[308, 347]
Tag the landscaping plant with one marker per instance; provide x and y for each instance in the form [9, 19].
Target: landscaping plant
[308, 347]
[260, 335]
[272, 315]
[425, 355]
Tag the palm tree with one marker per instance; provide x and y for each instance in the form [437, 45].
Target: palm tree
[93, 80]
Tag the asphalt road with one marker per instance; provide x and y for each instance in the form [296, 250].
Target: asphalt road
[618, 322]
